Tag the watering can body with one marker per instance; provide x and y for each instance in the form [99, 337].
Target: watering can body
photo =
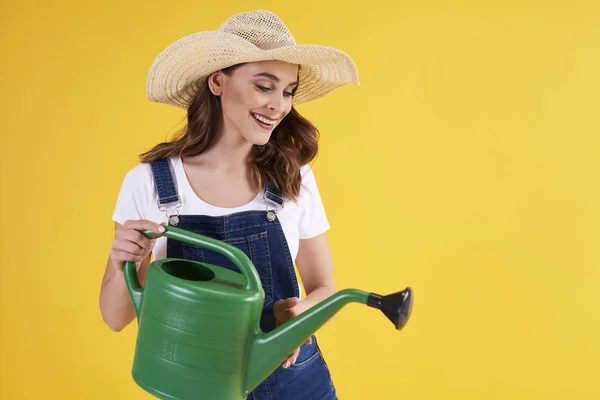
[195, 324]
[199, 334]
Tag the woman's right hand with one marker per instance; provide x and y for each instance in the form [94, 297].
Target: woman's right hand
[129, 244]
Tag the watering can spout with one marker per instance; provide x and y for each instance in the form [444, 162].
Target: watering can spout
[268, 351]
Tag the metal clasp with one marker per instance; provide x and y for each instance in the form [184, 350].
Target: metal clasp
[172, 217]
[272, 214]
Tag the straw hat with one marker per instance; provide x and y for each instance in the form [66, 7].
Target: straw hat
[252, 36]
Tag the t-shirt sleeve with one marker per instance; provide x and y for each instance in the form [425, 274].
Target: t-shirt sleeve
[313, 219]
[135, 195]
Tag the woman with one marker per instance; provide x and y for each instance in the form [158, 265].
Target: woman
[241, 162]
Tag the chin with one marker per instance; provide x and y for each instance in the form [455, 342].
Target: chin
[258, 140]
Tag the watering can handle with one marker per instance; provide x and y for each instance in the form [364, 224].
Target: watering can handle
[235, 255]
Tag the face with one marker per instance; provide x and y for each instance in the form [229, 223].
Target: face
[255, 98]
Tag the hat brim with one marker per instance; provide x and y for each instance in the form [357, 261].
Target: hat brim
[176, 71]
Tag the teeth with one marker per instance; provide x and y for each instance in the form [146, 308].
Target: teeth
[263, 119]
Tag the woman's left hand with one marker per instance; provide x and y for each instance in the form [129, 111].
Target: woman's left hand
[285, 310]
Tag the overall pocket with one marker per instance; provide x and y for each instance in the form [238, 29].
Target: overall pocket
[308, 379]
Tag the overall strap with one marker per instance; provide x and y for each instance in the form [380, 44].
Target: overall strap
[273, 194]
[167, 194]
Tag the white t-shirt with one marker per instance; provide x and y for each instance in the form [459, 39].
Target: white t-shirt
[138, 198]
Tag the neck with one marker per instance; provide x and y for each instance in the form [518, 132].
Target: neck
[231, 153]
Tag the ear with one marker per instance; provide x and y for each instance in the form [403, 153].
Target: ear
[215, 83]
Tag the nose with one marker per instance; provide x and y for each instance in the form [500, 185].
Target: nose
[277, 103]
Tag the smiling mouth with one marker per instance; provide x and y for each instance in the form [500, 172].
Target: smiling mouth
[263, 121]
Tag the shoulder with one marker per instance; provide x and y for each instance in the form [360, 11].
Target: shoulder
[306, 174]
[135, 195]
[306, 171]
[309, 191]
[138, 183]
[141, 174]
[138, 176]
[312, 218]
[308, 180]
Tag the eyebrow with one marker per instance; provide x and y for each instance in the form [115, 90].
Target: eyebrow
[275, 78]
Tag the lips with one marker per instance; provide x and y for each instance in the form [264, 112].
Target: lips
[264, 121]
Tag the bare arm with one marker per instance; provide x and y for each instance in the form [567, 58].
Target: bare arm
[115, 303]
[315, 266]
[128, 245]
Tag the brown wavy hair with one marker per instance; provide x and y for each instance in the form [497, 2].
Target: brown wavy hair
[293, 143]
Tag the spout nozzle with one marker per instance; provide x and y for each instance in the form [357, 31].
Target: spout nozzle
[396, 306]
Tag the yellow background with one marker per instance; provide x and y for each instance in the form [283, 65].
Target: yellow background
[465, 165]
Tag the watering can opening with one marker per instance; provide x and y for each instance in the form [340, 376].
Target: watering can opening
[189, 271]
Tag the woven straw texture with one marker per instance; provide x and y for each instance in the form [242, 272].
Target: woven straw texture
[259, 35]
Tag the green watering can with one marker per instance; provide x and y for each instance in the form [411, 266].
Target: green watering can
[199, 334]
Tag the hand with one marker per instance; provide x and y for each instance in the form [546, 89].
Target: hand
[129, 244]
[285, 310]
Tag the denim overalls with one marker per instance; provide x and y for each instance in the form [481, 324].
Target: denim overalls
[260, 236]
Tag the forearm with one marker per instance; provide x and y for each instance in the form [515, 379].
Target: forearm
[315, 266]
[316, 296]
[115, 303]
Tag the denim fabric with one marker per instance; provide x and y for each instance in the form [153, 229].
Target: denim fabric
[164, 181]
[262, 239]
[307, 379]
[271, 193]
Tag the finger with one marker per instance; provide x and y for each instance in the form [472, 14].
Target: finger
[119, 258]
[282, 310]
[127, 246]
[309, 341]
[284, 305]
[287, 362]
[278, 306]
[143, 224]
[121, 255]
[136, 237]
[292, 302]
[291, 359]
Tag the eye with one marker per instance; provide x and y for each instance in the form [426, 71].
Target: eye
[293, 92]
[289, 94]
[263, 88]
